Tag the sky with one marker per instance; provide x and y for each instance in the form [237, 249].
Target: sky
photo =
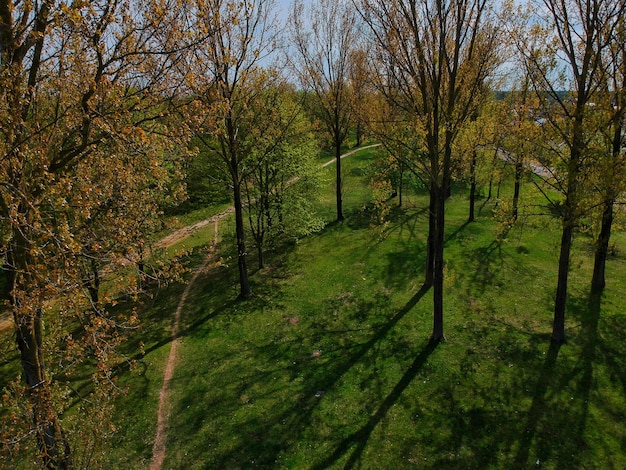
[282, 8]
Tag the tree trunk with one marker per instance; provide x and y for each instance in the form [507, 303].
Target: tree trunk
[498, 189]
[569, 220]
[558, 328]
[447, 185]
[598, 280]
[260, 243]
[54, 448]
[340, 216]
[260, 256]
[438, 260]
[430, 244]
[244, 283]
[93, 286]
[472, 200]
[401, 185]
[516, 191]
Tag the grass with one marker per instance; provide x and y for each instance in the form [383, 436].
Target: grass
[329, 364]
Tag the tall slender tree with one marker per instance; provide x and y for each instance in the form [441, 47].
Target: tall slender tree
[612, 163]
[566, 54]
[284, 180]
[224, 72]
[437, 55]
[324, 36]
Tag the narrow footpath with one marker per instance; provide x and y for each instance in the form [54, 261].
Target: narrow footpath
[160, 442]
[158, 449]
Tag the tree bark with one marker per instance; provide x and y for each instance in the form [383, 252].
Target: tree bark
[472, 200]
[53, 446]
[558, 327]
[438, 261]
[244, 283]
[340, 216]
[516, 190]
[570, 216]
[430, 243]
[598, 280]
[260, 256]
[93, 285]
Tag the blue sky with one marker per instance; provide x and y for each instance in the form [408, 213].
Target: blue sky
[282, 7]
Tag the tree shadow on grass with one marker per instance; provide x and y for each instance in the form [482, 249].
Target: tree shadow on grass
[263, 437]
[540, 404]
[408, 260]
[359, 438]
[454, 235]
[555, 417]
[488, 262]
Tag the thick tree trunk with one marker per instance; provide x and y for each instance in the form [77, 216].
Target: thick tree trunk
[53, 446]
[472, 195]
[340, 216]
[244, 283]
[598, 280]
[447, 185]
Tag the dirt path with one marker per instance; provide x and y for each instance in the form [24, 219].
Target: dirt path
[160, 442]
[351, 152]
[185, 232]
[158, 450]
[159, 447]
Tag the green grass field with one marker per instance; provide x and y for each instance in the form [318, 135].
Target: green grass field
[329, 365]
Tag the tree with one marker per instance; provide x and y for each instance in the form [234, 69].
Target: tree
[479, 143]
[361, 91]
[437, 55]
[283, 179]
[612, 163]
[324, 41]
[224, 73]
[566, 55]
[79, 87]
[520, 133]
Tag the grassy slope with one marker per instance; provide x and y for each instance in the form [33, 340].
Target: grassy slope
[329, 364]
